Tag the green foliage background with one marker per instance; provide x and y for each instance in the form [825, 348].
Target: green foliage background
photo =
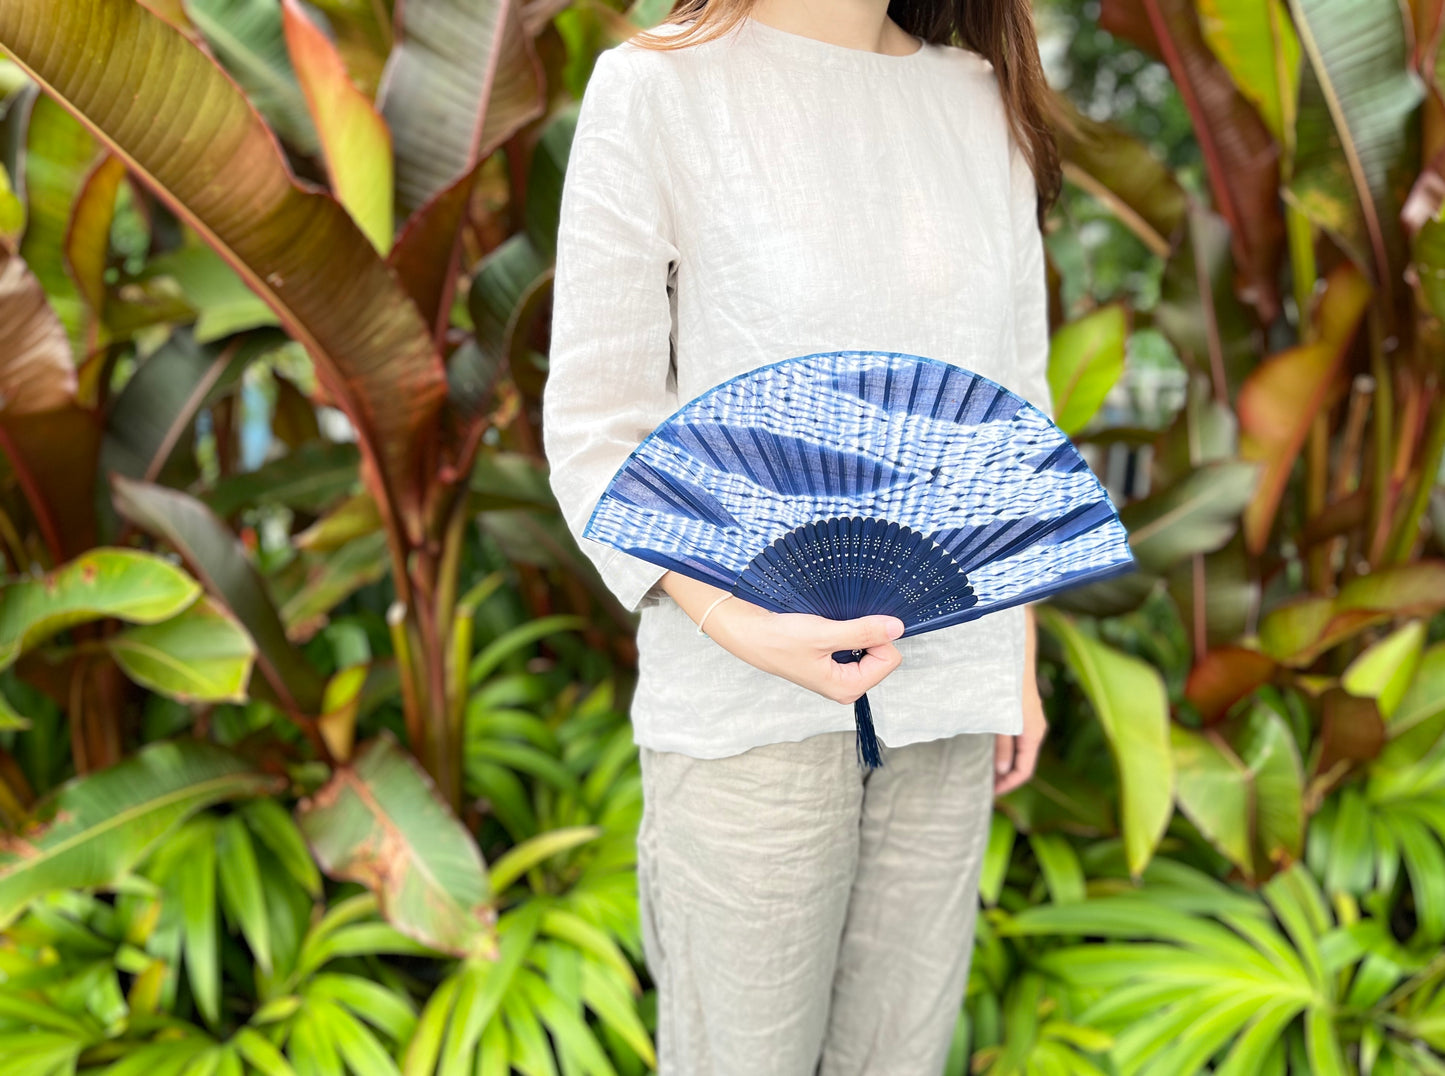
[314, 755]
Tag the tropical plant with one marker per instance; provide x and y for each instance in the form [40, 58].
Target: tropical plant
[280, 276]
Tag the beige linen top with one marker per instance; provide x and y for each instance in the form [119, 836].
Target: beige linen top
[753, 198]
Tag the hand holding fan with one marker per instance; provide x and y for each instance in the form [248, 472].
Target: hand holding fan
[849, 483]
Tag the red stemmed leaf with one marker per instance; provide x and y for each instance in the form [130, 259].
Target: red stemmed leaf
[183, 127]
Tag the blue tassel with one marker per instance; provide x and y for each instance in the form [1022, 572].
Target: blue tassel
[869, 755]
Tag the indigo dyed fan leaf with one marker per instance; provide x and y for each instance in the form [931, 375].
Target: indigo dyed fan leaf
[848, 483]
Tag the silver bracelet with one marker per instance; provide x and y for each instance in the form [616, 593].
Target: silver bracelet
[703, 619]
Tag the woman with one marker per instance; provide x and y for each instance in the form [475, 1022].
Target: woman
[747, 183]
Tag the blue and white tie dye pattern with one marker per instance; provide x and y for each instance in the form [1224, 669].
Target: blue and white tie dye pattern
[925, 444]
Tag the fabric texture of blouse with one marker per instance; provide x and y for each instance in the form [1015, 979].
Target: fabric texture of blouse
[753, 198]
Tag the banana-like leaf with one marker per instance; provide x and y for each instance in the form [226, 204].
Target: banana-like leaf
[218, 559]
[353, 518]
[1354, 135]
[247, 39]
[37, 372]
[329, 579]
[58, 158]
[1424, 699]
[310, 479]
[379, 822]
[49, 440]
[223, 304]
[1086, 360]
[1224, 676]
[1387, 668]
[542, 211]
[1242, 159]
[151, 417]
[1195, 515]
[1122, 173]
[95, 829]
[1257, 44]
[1297, 632]
[426, 252]
[122, 583]
[1243, 786]
[1281, 398]
[189, 134]
[12, 212]
[354, 140]
[509, 291]
[87, 243]
[1131, 704]
[461, 80]
[201, 655]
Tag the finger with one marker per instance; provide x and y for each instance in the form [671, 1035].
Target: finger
[863, 632]
[858, 676]
[1026, 756]
[1003, 753]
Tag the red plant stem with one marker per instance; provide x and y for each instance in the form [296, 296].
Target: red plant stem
[1378, 530]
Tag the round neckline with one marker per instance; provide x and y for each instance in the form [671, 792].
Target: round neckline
[812, 48]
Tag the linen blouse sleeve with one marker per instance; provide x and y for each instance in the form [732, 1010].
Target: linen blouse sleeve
[1030, 284]
[608, 376]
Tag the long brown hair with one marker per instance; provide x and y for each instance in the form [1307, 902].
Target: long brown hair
[1001, 31]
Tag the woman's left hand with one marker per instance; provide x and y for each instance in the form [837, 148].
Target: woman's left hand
[1015, 756]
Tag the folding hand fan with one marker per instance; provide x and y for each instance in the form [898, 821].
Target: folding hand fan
[848, 483]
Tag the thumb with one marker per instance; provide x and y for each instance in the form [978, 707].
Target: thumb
[874, 630]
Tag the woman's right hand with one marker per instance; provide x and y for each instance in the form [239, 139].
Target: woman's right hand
[796, 646]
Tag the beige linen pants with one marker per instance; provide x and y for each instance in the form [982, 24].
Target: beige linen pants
[801, 916]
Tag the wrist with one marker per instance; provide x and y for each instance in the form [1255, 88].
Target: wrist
[732, 620]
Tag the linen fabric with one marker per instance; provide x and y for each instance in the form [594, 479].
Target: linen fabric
[801, 916]
[757, 197]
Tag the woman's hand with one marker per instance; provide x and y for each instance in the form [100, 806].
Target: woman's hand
[1015, 756]
[796, 646]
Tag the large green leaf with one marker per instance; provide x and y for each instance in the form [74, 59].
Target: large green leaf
[354, 139]
[1257, 44]
[1086, 360]
[1386, 669]
[94, 830]
[379, 822]
[185, 129]
[1425, 697]
[1243, 786]
[246, 37]
[1299, 631]
[122, 583]
[1195, 515]
[151, 417]
[87, 243]
[462, 79]
[218, 559]
[202, 655]
[1129, 699]
[1354, 126]
[310, 479]
[223, 302]
[59, 155]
